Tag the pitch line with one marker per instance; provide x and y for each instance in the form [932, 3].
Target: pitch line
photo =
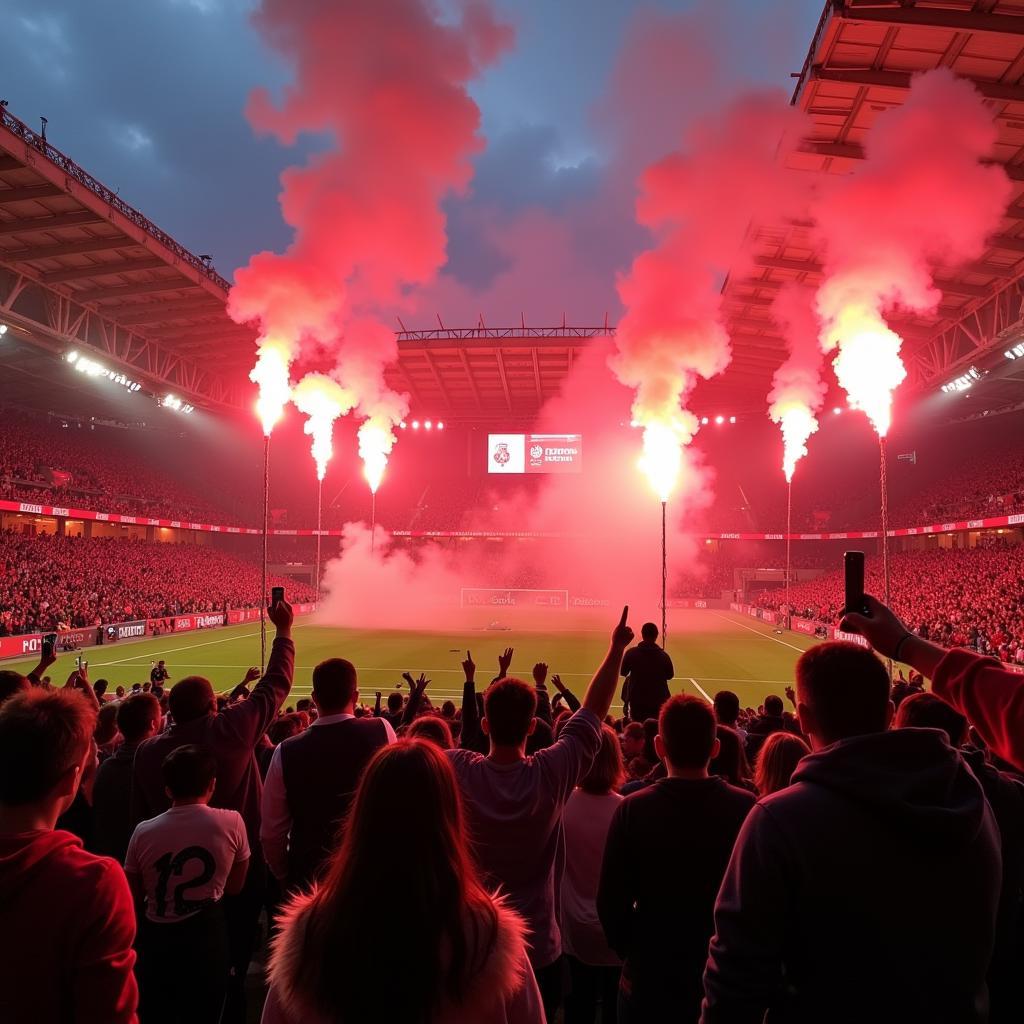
[700, 689]
[766, 636]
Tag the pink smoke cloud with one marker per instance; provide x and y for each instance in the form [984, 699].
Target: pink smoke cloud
[922, 196]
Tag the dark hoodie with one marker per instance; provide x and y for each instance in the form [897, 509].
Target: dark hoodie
[68, 926]
[866, 891]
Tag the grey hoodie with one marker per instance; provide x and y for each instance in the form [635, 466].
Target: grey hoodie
[866, 891]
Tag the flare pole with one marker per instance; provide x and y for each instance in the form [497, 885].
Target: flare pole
[789, 531]
[319, 519]
[266, 530]
[664, 580]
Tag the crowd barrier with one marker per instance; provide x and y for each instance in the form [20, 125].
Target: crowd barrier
[29, 644]
[991, 522]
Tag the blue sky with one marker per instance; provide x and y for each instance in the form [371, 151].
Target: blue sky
[148, 96]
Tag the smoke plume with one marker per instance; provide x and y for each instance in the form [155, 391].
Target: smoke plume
[921, 196]
[699, 204]
[797, 388]
[384, 82]
[321, 400]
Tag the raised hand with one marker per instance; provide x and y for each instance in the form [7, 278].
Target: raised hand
[282, 616]
[791, 695]
[540, 673]
[251, 674]
[469, 668]
[622, 636]
[407, 676]
[882, 629]
[556, 682]
[504, 660]
[423, 682]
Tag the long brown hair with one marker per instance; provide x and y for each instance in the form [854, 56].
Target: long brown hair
[403, 872]
[777, 761]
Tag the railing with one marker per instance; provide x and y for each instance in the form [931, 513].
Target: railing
[97, 188]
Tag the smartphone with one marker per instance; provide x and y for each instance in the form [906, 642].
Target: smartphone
[49, 644]
[276, 595]
[853, 572]
[78, 662]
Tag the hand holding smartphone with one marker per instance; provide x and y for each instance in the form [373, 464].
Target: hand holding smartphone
[49, 646]
[853, 571]
[276, 595]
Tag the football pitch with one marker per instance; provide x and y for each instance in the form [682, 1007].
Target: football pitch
[711, 651]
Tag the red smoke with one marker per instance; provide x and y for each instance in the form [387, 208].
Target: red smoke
[699, 203]
[921, 197]
[386, 82]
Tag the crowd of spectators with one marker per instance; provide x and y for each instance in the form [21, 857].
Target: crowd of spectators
[50, 461]
[959, 597]
[49, 582]
[538, 859]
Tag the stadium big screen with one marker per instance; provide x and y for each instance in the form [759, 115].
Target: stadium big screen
[510, 454]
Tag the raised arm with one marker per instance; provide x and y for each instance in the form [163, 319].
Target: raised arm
[601, 691]
[568, 696]
[248, 719]
[412, 708]
[540, 675]
[471, 733]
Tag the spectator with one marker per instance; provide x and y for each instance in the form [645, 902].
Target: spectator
[667, 850]
[67, 914]
[593, 967]
[731, 762]
[778, 759]
[467, 959]
[764, 725]
[313, 777]
[138, 718]
[514, 803]
[727, 711]
[990, 697]
[647, 668]
[812, 922]
[1005, 795]
[179, 866]
[433, 728]
[232, 736]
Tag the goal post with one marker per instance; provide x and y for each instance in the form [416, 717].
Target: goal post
[509, 598]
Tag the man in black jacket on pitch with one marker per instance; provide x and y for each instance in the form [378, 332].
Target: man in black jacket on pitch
[868, 889]
[664, 858]
[647, 668]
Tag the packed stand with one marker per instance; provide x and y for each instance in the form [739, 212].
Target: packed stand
[49, 582]
[538, 858]
[958, 597]
[64, 463]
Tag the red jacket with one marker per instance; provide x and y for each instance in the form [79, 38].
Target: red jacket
[68, 925]
[989, 696]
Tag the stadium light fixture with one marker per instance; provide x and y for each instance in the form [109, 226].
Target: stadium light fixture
[427, 424]
[704, 420]
[732, 419]
[3, 329]
[719, 420]
[401, 426]
[836, 411]
[440, 425]
[415, 424]
[71, 356]
[963, 382]
[1017, 352]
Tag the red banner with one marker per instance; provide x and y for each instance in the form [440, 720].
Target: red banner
[21, 646]
[807, 626]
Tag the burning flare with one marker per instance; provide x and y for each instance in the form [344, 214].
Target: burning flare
[662, 458]
[271, 375]
[375, 443]
[797, 423]
[322, 400]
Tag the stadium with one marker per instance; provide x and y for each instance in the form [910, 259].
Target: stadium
[780, 422]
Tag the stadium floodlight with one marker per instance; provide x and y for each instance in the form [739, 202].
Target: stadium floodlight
[1017, 352]
[440, 425]
[3, 329]
[836, 411]
[719, 420]
[427, 424]
[401, 426]
[170, 401]
[704, 420]
[415, 424]
[71, 356]
[732, 419]
[963, 382]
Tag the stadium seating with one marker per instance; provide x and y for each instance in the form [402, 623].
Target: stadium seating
[52, 583]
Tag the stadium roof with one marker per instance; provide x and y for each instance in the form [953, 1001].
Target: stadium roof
[860, 63]
[79, 267]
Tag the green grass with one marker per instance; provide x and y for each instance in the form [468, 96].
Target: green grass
[711, 651]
